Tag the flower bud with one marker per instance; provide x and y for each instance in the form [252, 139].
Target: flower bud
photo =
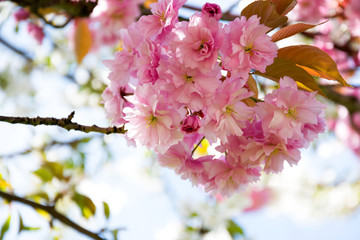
[191, 124]
[21, 15]
[212, 10]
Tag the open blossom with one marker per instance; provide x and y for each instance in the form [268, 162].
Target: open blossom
[246, 46]
[164, 17]
[151, 122]
[190, 87]
[227, 179]
[115, 102]
[111, 15]
[228, 114]
[286, 110]
[195, 45]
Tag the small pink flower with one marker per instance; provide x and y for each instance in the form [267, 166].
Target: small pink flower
[191, 124]
[190, 87]
[259, 198]
[286, 110]
[115, 102]
[109, 16]
[195, 45]
[228, 114]
[212, 10]
[36, 32]
[227, 179]
[21, 15]
[164, 18]
[246, 46]
[151, 122]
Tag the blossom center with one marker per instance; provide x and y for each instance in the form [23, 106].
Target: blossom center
[292, 113]
[248, 48]
[229, 110]
[161, 16]
[189, 78]
[151, 120]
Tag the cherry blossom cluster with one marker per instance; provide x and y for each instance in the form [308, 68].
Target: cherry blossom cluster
[174, 84]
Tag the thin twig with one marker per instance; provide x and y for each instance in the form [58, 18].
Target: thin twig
[15, 49]
[63, 122]
[53, 212]
[197, 145]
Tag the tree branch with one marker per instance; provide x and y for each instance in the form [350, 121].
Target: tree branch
[63, 122]
[52, 211]
[13, 48]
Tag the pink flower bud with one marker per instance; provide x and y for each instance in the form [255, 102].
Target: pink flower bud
[212, 10]
[21, 15]
[191, 124]
[36, 32]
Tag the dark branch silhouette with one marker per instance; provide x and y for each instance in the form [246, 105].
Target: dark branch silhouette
[63, 122]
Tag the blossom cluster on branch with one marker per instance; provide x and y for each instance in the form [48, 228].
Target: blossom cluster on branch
[174, 84]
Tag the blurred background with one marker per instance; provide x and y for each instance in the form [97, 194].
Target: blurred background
[120, 192]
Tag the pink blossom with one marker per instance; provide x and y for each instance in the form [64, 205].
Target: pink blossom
[115, 102]
[195, 45]
[227, 179]
[179, 157]
[286, 110]
[21, 15]
[212, 10]
[151, 122]
[165, 16]
[148, 62]
[191, 87]
[259, 198]
[36, 32]
[313, 11]
[191, 124]
[111, 15]
[352, 12]
[228, 114]
[246, 46]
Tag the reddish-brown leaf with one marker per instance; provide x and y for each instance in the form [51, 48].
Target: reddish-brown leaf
[284, 6]
[282, 67]
[291, 30]
[266, 11]
[313, 60]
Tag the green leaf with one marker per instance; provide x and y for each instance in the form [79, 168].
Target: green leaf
[234, 229]
[313, 60]
[44, 174]
[106, 210]
[85, 204]
[55, 168]
[115, 233]
[38, 196]
[267, 12]
[282, 67]
[5, 227]
[22, 227]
